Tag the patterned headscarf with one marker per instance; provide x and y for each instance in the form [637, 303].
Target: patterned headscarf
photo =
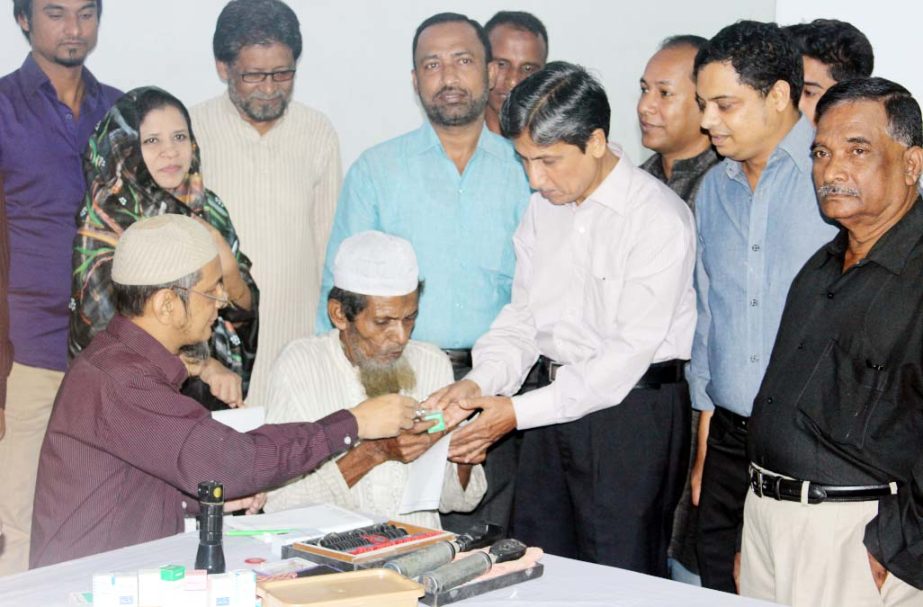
[120, 191]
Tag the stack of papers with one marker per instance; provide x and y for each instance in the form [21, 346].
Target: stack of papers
[320, 519]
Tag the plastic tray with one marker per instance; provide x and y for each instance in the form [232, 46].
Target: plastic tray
[379, 587]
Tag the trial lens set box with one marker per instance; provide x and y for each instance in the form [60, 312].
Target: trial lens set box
[173, 586]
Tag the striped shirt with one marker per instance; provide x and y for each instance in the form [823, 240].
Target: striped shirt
[125, 451]
[281, 190]
[311, 379]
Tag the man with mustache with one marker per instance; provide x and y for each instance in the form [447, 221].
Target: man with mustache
[276, 165]
[834, 514]
[456, 192]
[757, 223]
[48, 109]
[519, 46]
[373, 305]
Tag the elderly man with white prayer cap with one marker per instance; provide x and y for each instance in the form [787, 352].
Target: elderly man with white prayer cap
[125, 450]
[373, 307]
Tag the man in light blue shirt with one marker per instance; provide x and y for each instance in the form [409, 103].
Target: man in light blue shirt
[456, 191]
[758, 223]
[453, 189]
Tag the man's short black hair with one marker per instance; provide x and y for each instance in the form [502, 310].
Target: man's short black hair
[681, 40]
[839, 45]
[23, 8]
[248, 22]
[354, 303]
[904, 121]
[450, 18]
[520, 20]
[692, 41]
[761, 54]
[561, 103]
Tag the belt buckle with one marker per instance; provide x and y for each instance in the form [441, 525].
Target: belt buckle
[757, 481]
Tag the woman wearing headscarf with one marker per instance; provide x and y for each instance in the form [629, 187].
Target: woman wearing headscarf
[141, 161]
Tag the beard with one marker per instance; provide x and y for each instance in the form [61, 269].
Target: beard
[259, 108]
[71, 56]
[392, 378]
[455, 114]
[377, 377]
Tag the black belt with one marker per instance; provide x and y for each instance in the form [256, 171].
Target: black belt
[765, 484]
[738, 421]
[667, 372]
[459, 358]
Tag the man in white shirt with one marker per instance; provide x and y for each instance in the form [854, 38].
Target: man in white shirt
[276, 165]
[603, 294]
[373, 306]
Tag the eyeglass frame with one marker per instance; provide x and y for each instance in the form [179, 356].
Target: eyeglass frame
[286, 75]
[224, 301]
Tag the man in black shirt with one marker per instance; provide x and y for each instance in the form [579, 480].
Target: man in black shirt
[838, 419]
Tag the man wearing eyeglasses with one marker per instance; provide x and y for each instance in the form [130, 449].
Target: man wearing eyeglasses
[125, 449]
[276, 165]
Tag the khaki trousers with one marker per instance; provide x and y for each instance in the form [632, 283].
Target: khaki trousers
[29, 397]
[813, 556]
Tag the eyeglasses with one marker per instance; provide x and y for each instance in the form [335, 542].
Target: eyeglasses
[221, 299]
[278, 76]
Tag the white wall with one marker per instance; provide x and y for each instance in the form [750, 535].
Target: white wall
[356, 62]
[892, 26]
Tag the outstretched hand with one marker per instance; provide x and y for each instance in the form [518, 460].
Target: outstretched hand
[469, 444]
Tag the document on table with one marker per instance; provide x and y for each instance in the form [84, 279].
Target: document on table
[242, 419]
[425, 477]
[323, 518]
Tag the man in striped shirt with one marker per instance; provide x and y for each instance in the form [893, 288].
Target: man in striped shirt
[276, 165]
[125, 450]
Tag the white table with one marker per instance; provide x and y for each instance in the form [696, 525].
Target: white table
[565, 582]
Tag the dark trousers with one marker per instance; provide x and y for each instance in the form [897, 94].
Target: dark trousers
[500, 469]
[603, 488]
[721, 503]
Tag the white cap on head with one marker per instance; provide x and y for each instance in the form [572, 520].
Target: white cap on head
[377, 264]
[162, 249]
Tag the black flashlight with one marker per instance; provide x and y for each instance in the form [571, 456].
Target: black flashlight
[211, 516]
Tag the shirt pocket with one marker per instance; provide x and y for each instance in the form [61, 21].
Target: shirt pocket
[845, 390]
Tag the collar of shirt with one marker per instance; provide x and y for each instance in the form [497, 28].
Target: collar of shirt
[895, 246]
[796, 145]
[426, 139]
[696, 165]
[612, 193]
[33, 78]
[142, 342]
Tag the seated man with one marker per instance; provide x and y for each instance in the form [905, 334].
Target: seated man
[125, 450]
[373, 307]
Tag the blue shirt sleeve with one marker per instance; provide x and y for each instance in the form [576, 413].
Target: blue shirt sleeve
[357, 211]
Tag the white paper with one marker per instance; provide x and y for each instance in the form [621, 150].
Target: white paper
[424, 480]
[242, 419]
[325, 518]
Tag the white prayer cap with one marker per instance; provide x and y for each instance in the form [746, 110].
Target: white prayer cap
[377, 264]
[161, 249]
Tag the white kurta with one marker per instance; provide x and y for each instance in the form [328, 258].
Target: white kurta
[313, 378]
[281, 190]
